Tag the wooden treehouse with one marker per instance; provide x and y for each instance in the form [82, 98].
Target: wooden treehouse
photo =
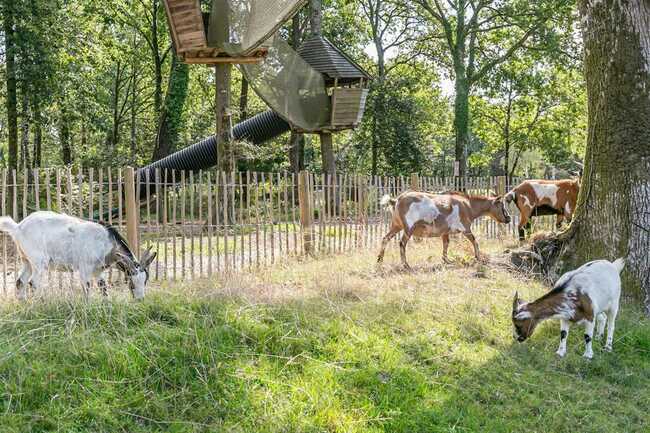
[346, 82]
[188, 27]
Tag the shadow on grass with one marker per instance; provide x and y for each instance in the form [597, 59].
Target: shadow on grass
[226, 364]
[482, 383]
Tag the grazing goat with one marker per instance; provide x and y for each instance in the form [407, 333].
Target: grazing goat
[48, 238]
[544, 197]
[593, 290]
[423, 214]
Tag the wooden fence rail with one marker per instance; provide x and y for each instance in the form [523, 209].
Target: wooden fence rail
[208, 222]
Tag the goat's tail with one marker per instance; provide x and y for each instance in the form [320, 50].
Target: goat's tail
[512, 195]
[8, 225]
[619, 264]
[387, 202]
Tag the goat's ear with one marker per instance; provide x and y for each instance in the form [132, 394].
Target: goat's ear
[125, 260]
[516, 302]
[147, 258]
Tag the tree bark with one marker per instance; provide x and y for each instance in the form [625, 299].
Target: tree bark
[506, 138]
[296, 139]
[64, 135]
[327, 153]
[38, 136]
[171, 116]
[329, 167]
[24, 132]
[315, 16]
[225, 156]
[243, 100]
[134, 109]
[297, 151]
[612, 218]
[461, 125]
[115, 131]
[10, 100]
[157, 60]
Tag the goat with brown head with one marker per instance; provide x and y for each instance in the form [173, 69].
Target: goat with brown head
[591, 291]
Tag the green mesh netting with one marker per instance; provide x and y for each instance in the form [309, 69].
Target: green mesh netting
[290, 86]
[240, 26]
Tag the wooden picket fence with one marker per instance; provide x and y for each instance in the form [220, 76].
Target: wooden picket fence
[208, 222]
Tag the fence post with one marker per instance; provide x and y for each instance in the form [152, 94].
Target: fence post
[415, 182]
[363, 210]
[501, 185]
[131, 204]
[304, 199]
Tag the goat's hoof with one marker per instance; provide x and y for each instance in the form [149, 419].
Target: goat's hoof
[561, 353]
[408, 268]
[588, 355]
[607, 348]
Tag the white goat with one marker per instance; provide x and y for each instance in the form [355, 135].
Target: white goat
[48, 238]
[593, 290]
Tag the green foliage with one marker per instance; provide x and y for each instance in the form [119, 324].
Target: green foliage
[538, 110]
[96, 75]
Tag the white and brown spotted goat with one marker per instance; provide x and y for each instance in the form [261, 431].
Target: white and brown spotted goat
[544, 197]
[423, 214]
[580, 296]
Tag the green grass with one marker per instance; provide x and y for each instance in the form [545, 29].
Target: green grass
[317, 346]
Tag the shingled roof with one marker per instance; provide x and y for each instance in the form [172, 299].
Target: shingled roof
[327, 59]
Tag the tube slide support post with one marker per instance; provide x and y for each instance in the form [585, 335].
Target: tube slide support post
[306, 214]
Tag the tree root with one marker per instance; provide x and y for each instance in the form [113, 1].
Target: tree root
[543, 256]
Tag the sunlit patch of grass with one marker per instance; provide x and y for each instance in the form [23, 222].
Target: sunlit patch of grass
[332, 343]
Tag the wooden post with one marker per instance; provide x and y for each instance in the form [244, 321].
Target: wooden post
[131, 204]
[501, 185]
[415, 182]
[304, 200]
[415, 186]
[501, 190]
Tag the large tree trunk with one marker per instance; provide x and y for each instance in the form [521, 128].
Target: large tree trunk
[10, 100]
[612, 219]
[171, 116]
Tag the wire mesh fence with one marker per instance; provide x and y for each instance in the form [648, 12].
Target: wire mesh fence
[208, 222]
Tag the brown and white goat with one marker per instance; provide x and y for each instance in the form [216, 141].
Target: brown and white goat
[424, 215]
[544, 197]
[593, 290]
